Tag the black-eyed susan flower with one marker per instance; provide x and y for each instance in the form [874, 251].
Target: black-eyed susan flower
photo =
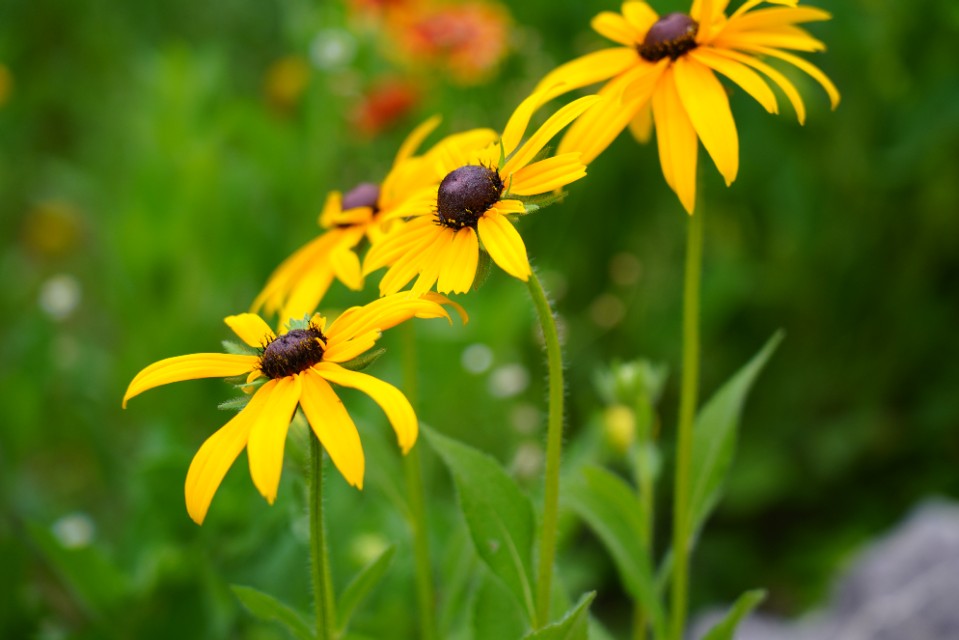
[296, 287]
[482, 186]
[295, 368]
[665, 74]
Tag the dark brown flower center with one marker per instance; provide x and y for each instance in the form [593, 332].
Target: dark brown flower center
[295, 351]
[672, 35]
[466, 194]
[365, 194]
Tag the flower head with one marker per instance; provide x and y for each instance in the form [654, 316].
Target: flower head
[288, 370]
[296, 287]
[664, 73]
[485, 181]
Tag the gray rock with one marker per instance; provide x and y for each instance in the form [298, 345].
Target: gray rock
[904, 586]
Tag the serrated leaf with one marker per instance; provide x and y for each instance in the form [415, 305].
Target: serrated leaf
[361, 585]
[611, 508]
[96, 583]
[726, 627]
[499, 516]
[714, 437]
[483, 268]
[234, 404]
[573, 626]
[364, 360]
[268, 609]
[239, 349]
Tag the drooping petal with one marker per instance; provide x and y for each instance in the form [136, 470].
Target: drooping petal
[676, 140]
[344, 351]
[548, 174]
[216, 455]
[383, 314]
[189, 367]
[808, 67]
[394, 404]
[504, 245]
[588, 69]
[333, 427]
[250, 328]
[459, 270]
[545, 133]
[750, 81]
[778, 78]
[268, 436]
[415, 139]
[707, 105]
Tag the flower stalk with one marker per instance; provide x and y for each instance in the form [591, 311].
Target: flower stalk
[320, 563]
[554, 446]
[687, 413]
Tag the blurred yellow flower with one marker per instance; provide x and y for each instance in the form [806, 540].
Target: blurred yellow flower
[664, 74]
[484, 177]
[296, 287]
[299, 366]
[285, 82]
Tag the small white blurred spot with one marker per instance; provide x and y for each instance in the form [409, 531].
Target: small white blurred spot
[74, 530]
[508, 380]
[477, 358]
[59, 296]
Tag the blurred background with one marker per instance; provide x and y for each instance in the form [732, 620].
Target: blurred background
[158, 160]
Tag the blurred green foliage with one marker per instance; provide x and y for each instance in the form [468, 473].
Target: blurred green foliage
[149, 186]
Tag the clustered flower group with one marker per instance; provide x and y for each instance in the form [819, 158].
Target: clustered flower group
[430, 221]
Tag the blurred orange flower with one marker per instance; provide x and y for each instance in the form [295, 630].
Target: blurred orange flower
[384, 105]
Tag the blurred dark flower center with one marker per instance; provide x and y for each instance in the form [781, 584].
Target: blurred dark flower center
[672, 35]
[466, 194]
[365, 194]
[291, 353]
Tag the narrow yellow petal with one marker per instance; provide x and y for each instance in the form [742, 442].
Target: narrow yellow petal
[394, 404]
[307, 291]
[776, 17]
[383, 314]
[459, 270]
[332, 208]
[707, 105]
[588, 69]
[344, 351]
[676, 140]
[267, 438]
[640, 15]
[296, 267]
[432, 260]
[546, 175]
[415, 139]
[641, 126]
[750, 81]
[808, 67]
[615, 27]
[504, 245]
[189, 367]
[216, 455]
[333, 427]
[346, 266]
[778, 78]
[545, 133]
[782, 37]
[250, 328]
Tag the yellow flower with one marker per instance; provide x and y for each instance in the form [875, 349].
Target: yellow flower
[296, 287]
[299, 366]
[665, 74]
[484, 181]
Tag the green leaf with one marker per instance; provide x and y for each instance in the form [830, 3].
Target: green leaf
[361, 585]
[573, 626]
[714, 437]
[268, 609]
[726, 627]
[364, 360]
[495, 614]
[234, 404]
[611, 508]
[97, 584]
[238, 349]
[499, 516]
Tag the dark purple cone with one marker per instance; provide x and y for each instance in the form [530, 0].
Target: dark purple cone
[466, 194]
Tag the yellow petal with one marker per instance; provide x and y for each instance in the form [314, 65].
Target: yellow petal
[344, 351]
[383, 314]
[707, 105]
[504, 245]
[809, 68]
[394, 404]
[750, 81]
[676, 140]
[217, 454]
[299, 266]
[776, 17]
[267, 439]
[640, 15]
[588, 69]
[458, 272]
[516, 126]
[332, 208]
[346, 266]
[333, 427]
[189, 367]
[251, 329]
[778, 78]
[432, 260]
[415, 139]
[547, 175]
[615, 27]
[545, 133]
[641, 126]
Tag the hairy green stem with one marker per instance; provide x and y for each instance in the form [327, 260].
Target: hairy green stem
[687, 416]
[413, 468]
[320, 563]
[554, 446]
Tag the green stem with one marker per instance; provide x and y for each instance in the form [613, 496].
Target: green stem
[687, 415]
[413, 468]
[320, 565]
[554, 446]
